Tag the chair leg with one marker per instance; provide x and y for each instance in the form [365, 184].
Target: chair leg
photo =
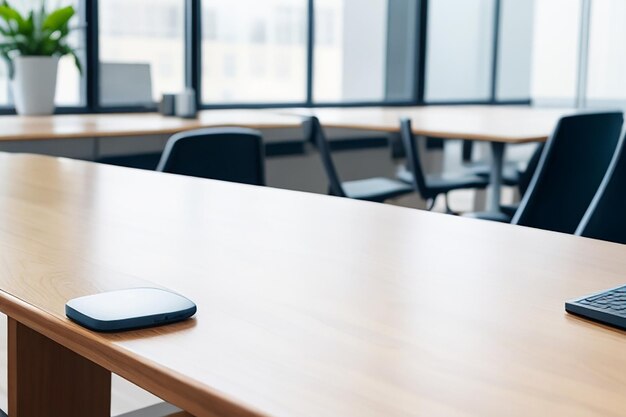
[468, 147]
[448, 209]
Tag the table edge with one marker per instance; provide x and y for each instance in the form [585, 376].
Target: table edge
[165, 383]
[143, 132]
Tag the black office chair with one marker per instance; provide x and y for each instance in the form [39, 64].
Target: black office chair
[606, 216]
[377, 189]
[431, 186]
[569, 172]
[227, 154]
[147, 161]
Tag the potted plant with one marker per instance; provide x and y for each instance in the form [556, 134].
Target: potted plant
[31, 45]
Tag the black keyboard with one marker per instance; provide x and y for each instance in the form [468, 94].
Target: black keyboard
[608, 307]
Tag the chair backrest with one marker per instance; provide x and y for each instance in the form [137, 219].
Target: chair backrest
[227, 154]
[318, 138]
[606, 216]
[413, 159]
[570, 171]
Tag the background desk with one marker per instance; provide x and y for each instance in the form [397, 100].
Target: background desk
[498, 125]
[502, 124]
[134, 124]
[487, 123]
[308, 305]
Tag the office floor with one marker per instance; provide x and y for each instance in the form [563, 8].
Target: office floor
[127, 397]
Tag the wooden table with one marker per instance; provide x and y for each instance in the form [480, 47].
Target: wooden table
[498, 125]
[308, 305]
[17, 128]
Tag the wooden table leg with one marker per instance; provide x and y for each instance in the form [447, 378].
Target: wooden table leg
[47, 379]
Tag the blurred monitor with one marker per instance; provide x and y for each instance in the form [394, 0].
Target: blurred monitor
[125, 84]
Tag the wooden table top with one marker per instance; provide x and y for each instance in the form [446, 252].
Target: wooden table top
[509, 124]
[14, 128]
[311, 305]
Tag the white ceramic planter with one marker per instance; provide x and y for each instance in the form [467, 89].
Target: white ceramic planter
[34, 84]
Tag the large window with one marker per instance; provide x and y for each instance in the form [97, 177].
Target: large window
[459, 50]
[254, 51]
[606, 86]
[350, 50]
[364, 53]
[322, 52]
[142, 50]
[579, 62]
[514, 49]
[71, 85]
[556, 52]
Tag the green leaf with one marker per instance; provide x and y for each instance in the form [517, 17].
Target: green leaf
[39, 34]
[29, 25]
[48, 47]
[58, 18]
[13, 18]
[9, 13]
[26, 44]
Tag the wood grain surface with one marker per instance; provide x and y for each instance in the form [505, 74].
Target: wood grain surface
[311, 305]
